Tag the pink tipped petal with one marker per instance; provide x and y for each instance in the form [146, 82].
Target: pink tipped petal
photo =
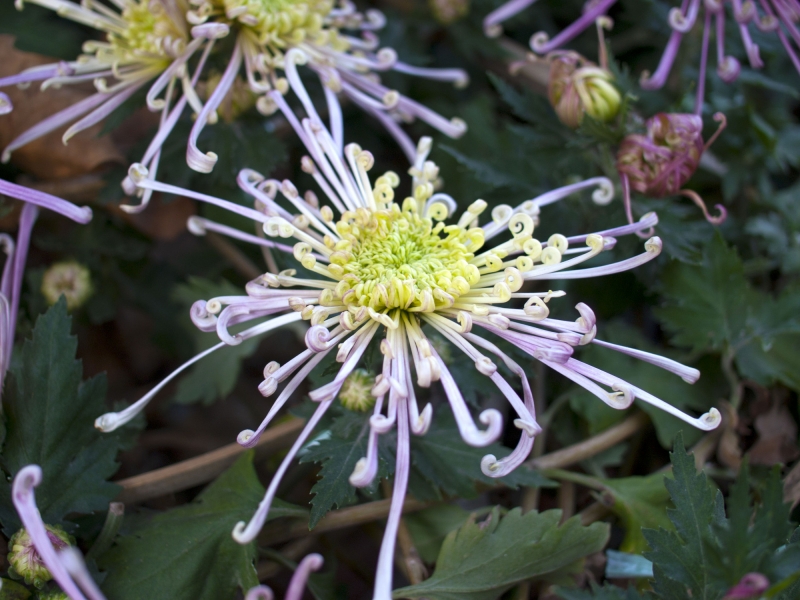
[491, 24]
[74, 564]
[311, 563]
[197, 160]
[53, 122]
[79, 214]
[383, 577]
[244, 533]
[541, 42]
[260, 592]
[24, 501]
[102, 112]
[688, 374]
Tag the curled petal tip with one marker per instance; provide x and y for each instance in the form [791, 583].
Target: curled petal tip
[107, 422]
[710, 420]
[492, 30]
[539, 42]
[27, 478]
[654, 245]
[490, 465]
[604, 193]
[260, 592]
[196, 225]
[137, 173]
[247, 438]
[6, 106]
[199, 161]
[240, 534]
[532, 428]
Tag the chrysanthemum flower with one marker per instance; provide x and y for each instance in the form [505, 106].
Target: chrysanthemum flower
[64, 564]
[377, 268]
[770, 16]
[156, 43]
[17, 254]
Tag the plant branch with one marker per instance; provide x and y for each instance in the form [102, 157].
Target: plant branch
[203, 468]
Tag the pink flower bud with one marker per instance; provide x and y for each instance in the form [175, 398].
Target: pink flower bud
[752, 585]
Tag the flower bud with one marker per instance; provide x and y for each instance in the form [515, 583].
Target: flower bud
[70, 279]
[578, 86]
[661, 162]
[356, 393]
[448, 11]
[25, 560]
[52, 595]
[751, 586]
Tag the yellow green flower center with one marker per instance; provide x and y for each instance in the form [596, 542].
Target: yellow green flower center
[281, 23]
[392, 258]
[150, 33]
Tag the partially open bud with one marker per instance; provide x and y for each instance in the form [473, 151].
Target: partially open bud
[448, 11]
[356, 393]
[69, 278]
[25, 560]
[660, 163]
[578, 86]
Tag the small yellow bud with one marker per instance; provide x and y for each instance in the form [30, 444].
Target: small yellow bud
[579, 87]
[70, 279]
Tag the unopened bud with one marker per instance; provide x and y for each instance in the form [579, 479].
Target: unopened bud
[356, 393]
[661, 162]
[25, 560]
[579, 87]
[448, 11]
[70, 279]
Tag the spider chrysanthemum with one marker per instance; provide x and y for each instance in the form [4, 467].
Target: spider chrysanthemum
[164, 45]
[394, 269]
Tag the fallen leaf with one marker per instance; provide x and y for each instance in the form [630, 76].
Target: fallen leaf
[48, 157]
[777, 437]
[791, 486]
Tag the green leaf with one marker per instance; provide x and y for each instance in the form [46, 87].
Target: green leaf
[13, 591]
[50, 417]
[607, 592]
[339, 449]
[430, 527]
[211, 378]
[444, 459]
[708, 305]
[682, 558]
[638, 502]
[188, 552]
[481, 561]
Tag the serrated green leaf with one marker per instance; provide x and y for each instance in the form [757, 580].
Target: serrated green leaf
[188, 552]
[709, 304]
[50, 417]
[481, 561]
[339, 449]
[681, 558]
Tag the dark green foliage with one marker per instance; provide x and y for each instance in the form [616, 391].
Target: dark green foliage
[480, 561]
[50, 414]
[188, 552]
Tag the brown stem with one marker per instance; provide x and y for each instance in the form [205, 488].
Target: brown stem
[594, 445]
[203, 468]
[276, 533]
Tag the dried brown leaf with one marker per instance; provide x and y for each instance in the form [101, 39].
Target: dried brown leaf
[48, 157]
[777, 437]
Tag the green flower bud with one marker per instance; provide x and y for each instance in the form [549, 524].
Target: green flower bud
[448, 11]
[69, 278]
[356, 393]
[52, 595]
[579, 87]
[25, 560]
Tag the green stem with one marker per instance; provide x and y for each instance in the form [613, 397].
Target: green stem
[116, 512]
